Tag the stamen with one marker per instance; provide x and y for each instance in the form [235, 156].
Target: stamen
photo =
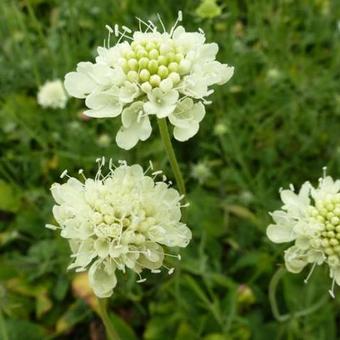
[180, 16]
[310, 273]
[109, 28]
[108, 36]
[140, 279]
[116, 27]
[155, 271]
[161, 22]
[81, 173]
[324, 171]
[51, 226]
[331, 291]
[126, 29]
[63, 174]
[143, 22]
[179, 19]
[79, 270]
[156, 173]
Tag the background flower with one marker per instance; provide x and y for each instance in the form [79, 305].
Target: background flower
[159, 69]
[310, 218]
[118, 221]
[52, 95]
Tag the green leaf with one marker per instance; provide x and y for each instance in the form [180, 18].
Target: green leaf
[22, 329]
[185, 332]
[123, 329]
[9, 197]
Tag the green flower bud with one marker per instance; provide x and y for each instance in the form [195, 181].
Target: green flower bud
[143, 62]
[130, 55]
[174, 76]
[153, 54]
[329, 251]
[162, 60]
[173, 67]
[144, 75]
[150, 46]
[155, 80]
[179, 57]
[133, 64]
[163, 71]
[133, 76]
[146, 87]
[153, 66]
[141, 53]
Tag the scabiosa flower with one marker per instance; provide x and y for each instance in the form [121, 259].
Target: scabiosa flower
[310, 219]
[201, 171]
[53, 95]
[150, 73]
[120, 220]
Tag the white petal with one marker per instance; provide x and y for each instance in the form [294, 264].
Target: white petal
[126, 138]
[280, 234]
[103, 104]
[130, 114]
[295, 260]
[145, 129]
[102, 279]
[165, 111]
[226, 72]
[208, 52]
[183, 135]
[102, 247]
[79, 85]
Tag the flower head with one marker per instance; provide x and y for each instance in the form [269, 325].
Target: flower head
[120, 220]
[310, 219]
[164, 72]
[52, 94]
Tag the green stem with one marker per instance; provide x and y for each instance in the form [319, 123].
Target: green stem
[3, 331]
[102, 311]
[274, 306]
[163, 129]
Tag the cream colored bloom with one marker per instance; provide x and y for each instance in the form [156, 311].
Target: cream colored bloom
[159, 69]
[52, 95]
[310, 219]
[118, 221]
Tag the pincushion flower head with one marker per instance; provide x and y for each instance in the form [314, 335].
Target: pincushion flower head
[52, 95]
[150, 73]
[124, 219]
[310, 219]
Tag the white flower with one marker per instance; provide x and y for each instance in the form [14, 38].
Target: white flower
[186, 119]
[116, 221]
[310, 219]
[161, 103]
[52, 94]
[136, 126]
[201, 171]
[103, 104]
[161, 70]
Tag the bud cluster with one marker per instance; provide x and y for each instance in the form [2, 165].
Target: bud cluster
[154, 63]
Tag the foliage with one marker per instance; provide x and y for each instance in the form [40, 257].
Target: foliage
[280, 116]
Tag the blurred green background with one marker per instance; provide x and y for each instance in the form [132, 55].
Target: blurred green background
[276, 122]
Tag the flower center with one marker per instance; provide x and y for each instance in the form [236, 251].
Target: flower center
[327, 212]
[148, 62]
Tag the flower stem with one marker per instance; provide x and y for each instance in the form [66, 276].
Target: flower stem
[102, 311]
[274, 306]
[163, 129]
[3, 331]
